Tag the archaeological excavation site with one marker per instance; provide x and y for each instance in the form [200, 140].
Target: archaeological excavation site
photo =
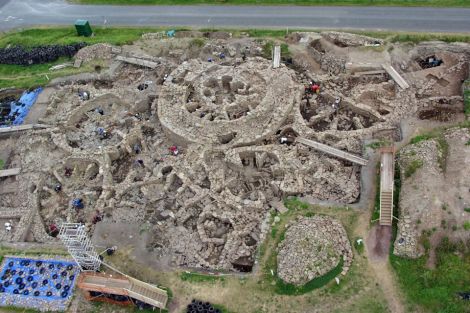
[187, 153]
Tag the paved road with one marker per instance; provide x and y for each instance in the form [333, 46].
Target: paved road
[21, 13]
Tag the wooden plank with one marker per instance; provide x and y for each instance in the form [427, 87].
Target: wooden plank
[386, 186]
[386, 171]
[396, 77]
[332, 151]
[10, 172]
[12, 129]
[377, 72]
[276, 56]
[137, 61]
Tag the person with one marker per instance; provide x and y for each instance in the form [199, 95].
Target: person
[57, 188]
[336, 104]
[100, 111]
[222, 55]
[315, 88]
[102, 133]
[98, 217]
[77, 204]
[53, 230]
[68, 172]
[244, 56]
[83, 95]
[8, 226]
[137, 148]
[174, 150]
[140, 162]
[286, 140]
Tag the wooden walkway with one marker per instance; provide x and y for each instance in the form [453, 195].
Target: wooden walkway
[137, 61]
[332, 151]
[386, 186]
[276, 56]
[396, 77]
[13, 129]
[124, 286]
[10, 172]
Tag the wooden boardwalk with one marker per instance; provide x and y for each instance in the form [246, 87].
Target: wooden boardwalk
[137, 61]
[10, 172]
[332, 151]
[14, 129]
[276, 56]
[386, 186]
[396, 77]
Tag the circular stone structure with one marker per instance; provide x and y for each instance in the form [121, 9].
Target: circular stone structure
[312, 247]
[203, 102]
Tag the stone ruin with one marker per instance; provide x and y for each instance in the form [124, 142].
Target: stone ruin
[206, 206]
[312, 247]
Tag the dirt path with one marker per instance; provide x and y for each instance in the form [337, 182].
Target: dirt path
[377, 248]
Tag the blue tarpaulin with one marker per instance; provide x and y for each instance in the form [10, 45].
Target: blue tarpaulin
[20, 108]
[34, 283]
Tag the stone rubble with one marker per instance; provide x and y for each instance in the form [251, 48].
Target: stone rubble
[312, 247]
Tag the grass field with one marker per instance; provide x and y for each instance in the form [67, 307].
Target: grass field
[433, 3]
[25, 77]
[436, 289]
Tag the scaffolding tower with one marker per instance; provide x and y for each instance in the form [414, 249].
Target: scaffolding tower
[75, 238]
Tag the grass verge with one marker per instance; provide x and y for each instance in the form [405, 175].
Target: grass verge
[26, 77]
[435, 289]
[67, 35]
[413, 167]
[2, 163]
[466, 97]
[416, 3]
[197, 277]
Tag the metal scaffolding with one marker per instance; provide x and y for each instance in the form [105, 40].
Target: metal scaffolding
[75, 238]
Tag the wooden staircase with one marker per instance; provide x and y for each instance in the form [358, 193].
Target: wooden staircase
[386, 208]
[387, 171]
[147, 293]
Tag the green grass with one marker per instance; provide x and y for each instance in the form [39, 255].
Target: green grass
[435, 289]
[2, 163]
[17, 309]
[294, 204]
[290, 289]
[466, 225]
[222, 308]
[467, 102]
[268, 50]
[376, 209]
[413, 167]
[467, 210]
[378, 144]
[197, 277]
[67, 35]
[359, 247]
[442, 145]
[434, 3]
[37, 75]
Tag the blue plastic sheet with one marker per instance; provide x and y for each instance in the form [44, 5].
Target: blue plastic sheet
[31, 283]
[20, 108]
